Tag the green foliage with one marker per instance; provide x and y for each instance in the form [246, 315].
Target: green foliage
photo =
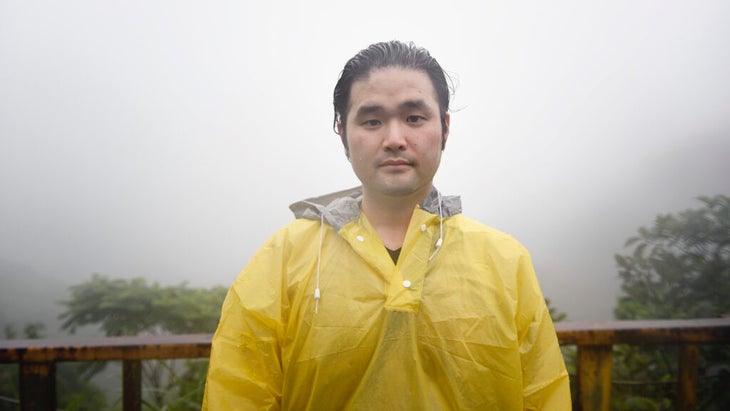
[179, 385]
[75, 389]
[678, 268]
[133, 307]
[9, 387]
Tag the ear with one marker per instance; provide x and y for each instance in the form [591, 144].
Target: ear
[343, 137]
[446, 126]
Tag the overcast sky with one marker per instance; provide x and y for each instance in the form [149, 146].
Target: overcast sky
[165, 139]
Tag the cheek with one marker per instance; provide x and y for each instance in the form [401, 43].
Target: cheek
[358, 154]
[360, 146]
[435, 151]
[430, 148]
[436, 158]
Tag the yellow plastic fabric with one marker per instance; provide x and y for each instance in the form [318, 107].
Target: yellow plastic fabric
[471, 332]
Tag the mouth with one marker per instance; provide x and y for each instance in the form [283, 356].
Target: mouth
[395, 163]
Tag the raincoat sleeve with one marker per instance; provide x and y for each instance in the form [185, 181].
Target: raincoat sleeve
[546, 384]
[245, 365]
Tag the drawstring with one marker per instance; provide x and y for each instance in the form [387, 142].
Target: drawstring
[441, 229]
[319, 263]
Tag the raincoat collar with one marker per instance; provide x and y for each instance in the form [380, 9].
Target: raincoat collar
[342, 207]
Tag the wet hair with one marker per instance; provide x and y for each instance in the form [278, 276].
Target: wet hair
[390, 54]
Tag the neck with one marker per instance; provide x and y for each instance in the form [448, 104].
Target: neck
[390, 216]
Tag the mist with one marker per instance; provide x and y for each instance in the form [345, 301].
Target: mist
[165, 140]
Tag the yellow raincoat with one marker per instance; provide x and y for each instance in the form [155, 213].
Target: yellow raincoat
[460, 327]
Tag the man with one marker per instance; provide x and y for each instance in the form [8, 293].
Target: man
[386, 297]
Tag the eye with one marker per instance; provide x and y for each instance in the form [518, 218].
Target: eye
[371, 123]
[415, 118]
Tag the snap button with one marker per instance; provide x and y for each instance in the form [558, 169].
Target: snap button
[423, 227]
[360, 238]
[407, 284]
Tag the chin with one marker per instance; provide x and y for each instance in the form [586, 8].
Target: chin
[399, 190]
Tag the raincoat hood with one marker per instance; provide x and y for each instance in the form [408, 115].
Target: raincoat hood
[342, 207]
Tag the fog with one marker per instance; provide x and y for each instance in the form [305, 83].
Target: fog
[166, 139]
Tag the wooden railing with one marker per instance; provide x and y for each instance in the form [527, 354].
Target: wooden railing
[594, 341]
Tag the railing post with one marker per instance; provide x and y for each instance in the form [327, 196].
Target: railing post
[594, 377]
[132, 385]
[37, 386]
[688, 372]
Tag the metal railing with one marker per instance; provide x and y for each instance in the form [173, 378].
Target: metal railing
[594, 342]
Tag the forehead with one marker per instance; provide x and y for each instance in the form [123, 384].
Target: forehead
[392, 86]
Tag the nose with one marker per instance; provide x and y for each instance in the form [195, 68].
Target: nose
[395, 137]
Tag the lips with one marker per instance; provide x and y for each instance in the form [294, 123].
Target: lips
[395, 162]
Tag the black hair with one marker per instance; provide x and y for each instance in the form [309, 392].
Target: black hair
[390, 54]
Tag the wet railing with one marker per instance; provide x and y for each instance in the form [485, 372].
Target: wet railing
[594, 342]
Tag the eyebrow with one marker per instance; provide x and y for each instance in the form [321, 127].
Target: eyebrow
[367, 110]
[414, 104]
[406, 105]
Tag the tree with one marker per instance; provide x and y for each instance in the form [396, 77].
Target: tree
[678, 268]
[134, 307]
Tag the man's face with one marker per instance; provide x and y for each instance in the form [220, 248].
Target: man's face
[394, 132]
